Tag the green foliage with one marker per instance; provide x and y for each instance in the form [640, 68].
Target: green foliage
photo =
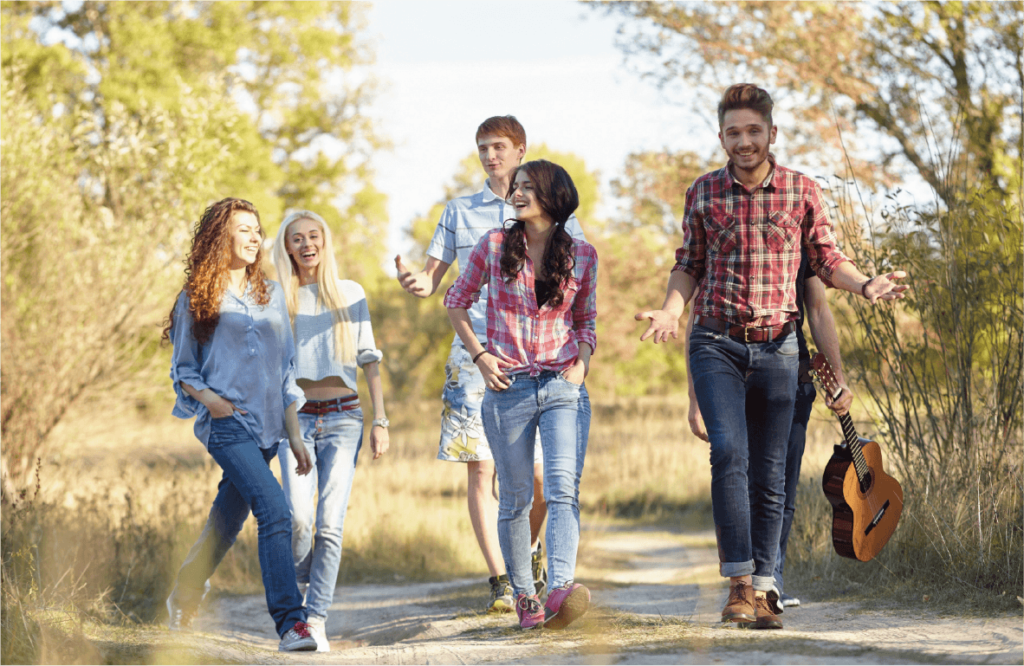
[93, 219]
[292, 67]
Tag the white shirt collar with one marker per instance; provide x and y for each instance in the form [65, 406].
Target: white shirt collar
[488, 195]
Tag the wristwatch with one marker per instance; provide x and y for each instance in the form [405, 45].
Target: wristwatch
[383, 423]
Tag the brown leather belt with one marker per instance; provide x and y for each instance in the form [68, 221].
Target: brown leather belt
[746, 333]
[319, 407]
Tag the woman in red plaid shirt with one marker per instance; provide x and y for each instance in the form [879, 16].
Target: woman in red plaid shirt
[541, 315]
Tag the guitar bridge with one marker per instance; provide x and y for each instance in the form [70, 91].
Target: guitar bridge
[878, 517]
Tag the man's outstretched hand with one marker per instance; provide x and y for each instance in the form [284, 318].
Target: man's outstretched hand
[663, 325]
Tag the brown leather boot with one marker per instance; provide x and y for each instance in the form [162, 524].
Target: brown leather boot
[766, 617]
[740, 605]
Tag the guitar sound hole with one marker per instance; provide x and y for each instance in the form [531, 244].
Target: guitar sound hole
[868, 480]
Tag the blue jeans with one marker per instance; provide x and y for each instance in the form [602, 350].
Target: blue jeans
[745, 393]
[333, 441]
[247, 482]
[561, 411]
[794, 455]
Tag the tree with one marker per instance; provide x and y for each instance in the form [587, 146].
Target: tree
[939, 82]
[296, 68]
[121, 122]
[82, 276]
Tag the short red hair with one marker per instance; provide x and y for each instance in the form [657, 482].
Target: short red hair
[506, 126]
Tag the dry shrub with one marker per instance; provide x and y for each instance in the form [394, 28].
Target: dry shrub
[941, 374]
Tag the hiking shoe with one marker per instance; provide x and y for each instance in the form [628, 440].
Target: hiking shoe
[787, 601]
[317, 629]
[566, 605]
[773, 597]
[766, 616]
[501, 595]
[180, 614]
[529, 611]
[740, 605]
[297, 639]
[540, 574]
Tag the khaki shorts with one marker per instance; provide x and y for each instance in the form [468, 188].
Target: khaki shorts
[462, 430]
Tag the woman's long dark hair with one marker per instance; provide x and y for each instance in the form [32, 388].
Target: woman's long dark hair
[557, 196]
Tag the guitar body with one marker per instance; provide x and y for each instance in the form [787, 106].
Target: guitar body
[862, 522]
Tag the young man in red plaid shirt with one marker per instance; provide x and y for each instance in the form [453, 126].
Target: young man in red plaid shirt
[743, 229]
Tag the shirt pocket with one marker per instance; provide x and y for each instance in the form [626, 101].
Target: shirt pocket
[783, 231]
[570, 288]
[721, 233]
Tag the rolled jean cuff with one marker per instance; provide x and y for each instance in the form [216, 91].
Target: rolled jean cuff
[732, 569]
[763, 583]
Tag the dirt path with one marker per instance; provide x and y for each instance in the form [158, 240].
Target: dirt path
[657, 598]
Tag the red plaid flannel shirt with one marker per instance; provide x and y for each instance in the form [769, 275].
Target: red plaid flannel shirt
[745, 245]
[532, 339]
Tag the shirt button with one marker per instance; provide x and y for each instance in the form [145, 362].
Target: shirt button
[248, 328]
[252, 351]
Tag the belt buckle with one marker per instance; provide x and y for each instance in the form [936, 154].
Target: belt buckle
[746, 334]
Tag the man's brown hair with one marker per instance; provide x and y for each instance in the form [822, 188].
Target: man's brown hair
[746, 96]
[506, 126]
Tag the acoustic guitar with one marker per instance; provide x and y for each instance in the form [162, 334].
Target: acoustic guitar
[866, 502]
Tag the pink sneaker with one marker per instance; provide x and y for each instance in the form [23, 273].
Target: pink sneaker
[566, 605]
[529, 611]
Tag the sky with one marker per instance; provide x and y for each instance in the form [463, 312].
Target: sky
[446, 66]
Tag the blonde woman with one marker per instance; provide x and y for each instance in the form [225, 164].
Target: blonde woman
[331, 323]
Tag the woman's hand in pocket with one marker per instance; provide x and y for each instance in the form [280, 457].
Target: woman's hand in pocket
[576, 373]
[220, 408]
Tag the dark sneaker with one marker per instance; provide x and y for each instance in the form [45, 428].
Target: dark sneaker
[297, 639]
[529, 611]
[501, 595]
[540, 574]
[740, 605]
[566, 605]
[181, 614]
[766, 616]
[787, 601]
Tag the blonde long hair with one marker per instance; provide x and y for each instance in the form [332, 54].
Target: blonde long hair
[330, 297]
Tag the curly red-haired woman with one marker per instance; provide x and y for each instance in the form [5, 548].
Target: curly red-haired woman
[233, 369]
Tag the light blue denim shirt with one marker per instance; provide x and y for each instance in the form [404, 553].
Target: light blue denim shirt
[462, 223]
[249, 360]
[314, 335]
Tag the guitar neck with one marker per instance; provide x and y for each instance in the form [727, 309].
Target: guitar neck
[853, 442]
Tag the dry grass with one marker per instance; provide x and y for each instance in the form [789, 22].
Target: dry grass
[118, 509]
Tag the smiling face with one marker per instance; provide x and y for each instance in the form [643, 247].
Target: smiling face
[246, 238]
[498, 156]
[524, 200]
[745, 136]
[305, 243]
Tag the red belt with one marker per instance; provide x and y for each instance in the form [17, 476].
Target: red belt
[746, 333]
[348, 403]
